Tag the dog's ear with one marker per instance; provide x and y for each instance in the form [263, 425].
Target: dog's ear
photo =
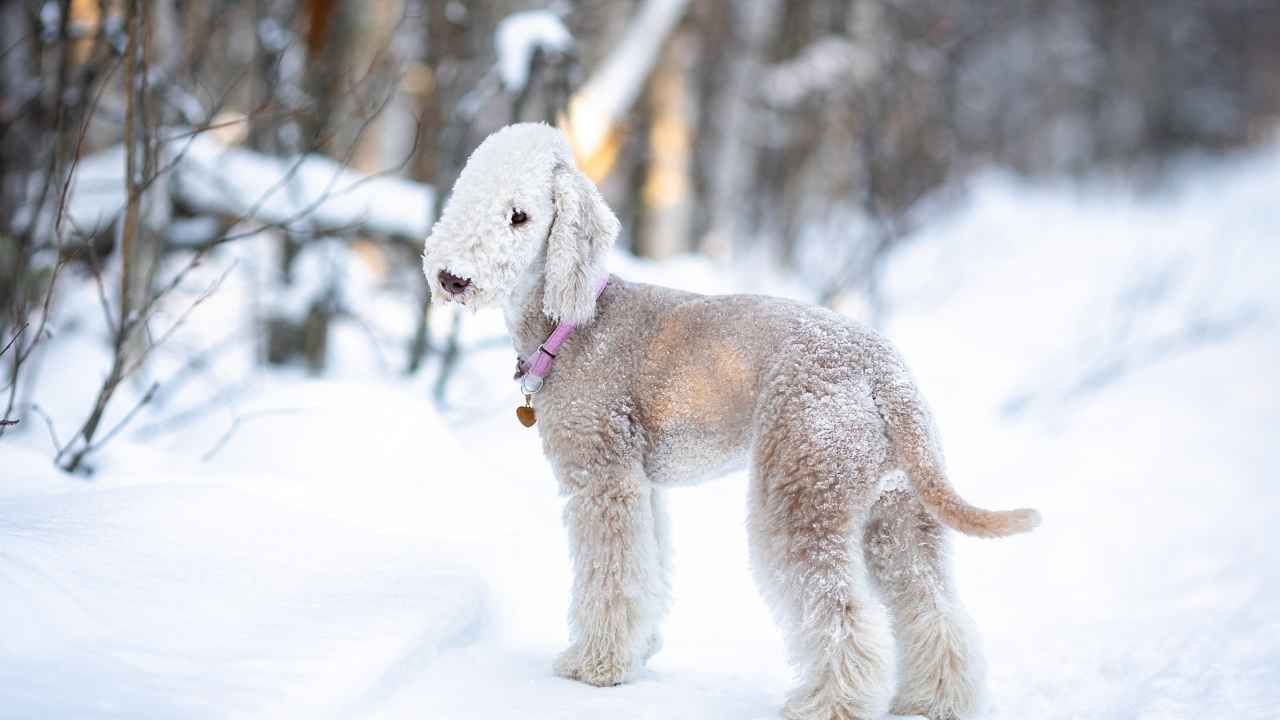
[582, 233]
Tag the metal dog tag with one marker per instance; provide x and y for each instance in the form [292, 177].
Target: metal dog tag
[525, 414]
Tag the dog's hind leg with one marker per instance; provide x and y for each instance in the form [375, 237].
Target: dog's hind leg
[940, 666]
[620, 587]
[804, 528]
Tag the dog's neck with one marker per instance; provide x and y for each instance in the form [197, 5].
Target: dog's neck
[526, 322]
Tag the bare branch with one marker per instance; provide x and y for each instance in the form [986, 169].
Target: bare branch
[55, 153]
[1118, 362]
[75, 155]
[146, 398]
[208, 292]
[14, 339]
[21, 354]
[103, 301]
[239, 420]
[48, 422]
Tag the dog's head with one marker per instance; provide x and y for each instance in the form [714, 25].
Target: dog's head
[521, 212]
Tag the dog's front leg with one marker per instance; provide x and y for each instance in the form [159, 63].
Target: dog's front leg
[620, 587]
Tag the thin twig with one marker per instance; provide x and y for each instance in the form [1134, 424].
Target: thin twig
[5, 52]
[176, 421]
[208, 292]
[329, 192]
[236, 422]
[60, 95]
[449, 360]
[75, 154]
[208, 126]
[48, 422]
[144, 400]
[104, 302]
[14, 339]
[20, 355]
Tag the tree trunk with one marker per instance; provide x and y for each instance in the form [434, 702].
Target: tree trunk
[667, 212]
[443, 130]
[17, 159]
[733, 157]
[152, 27]
[330, 29]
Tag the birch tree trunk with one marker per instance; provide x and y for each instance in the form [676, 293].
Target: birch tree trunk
[150, 61]
[667, 196]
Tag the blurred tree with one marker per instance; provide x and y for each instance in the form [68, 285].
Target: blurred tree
[457, 76]
[665, 228]
[809, 134]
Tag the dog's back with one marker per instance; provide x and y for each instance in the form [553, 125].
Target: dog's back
[709, 376]
[702, 371]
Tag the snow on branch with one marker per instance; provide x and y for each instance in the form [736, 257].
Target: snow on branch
[311, 193]
[519, 35]
[827, 63]
[96, 192]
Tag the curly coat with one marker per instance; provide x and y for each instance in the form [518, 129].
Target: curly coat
[658, 388]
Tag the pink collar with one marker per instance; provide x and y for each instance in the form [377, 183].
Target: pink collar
[531, 374]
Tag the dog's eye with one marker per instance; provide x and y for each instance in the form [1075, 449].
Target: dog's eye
[518, 217]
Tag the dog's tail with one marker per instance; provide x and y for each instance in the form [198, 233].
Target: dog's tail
[915, 447]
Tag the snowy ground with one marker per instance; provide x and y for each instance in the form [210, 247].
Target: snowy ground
[340, 547]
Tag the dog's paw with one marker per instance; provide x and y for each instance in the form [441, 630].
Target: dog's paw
[924, 709]
[904, 708]
[839, 702]
[593, 666]
[952, 697]
[568, 664]
[808, 710]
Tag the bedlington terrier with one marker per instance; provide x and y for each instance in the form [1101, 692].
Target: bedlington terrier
[653, 388]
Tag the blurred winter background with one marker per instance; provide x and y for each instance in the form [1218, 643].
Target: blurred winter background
[247, 469]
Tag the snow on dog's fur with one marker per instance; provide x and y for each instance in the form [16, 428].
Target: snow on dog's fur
[659, 388]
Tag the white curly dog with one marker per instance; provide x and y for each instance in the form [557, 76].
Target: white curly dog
[654, 388]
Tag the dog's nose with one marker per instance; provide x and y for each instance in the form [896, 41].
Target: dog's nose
[452, 283]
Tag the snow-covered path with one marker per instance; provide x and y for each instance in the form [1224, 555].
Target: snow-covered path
[353, 553]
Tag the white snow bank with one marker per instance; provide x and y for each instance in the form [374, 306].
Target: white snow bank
[205, 600]
[1037, 320]
[300, 571]
[347, 551]
[516, 38]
